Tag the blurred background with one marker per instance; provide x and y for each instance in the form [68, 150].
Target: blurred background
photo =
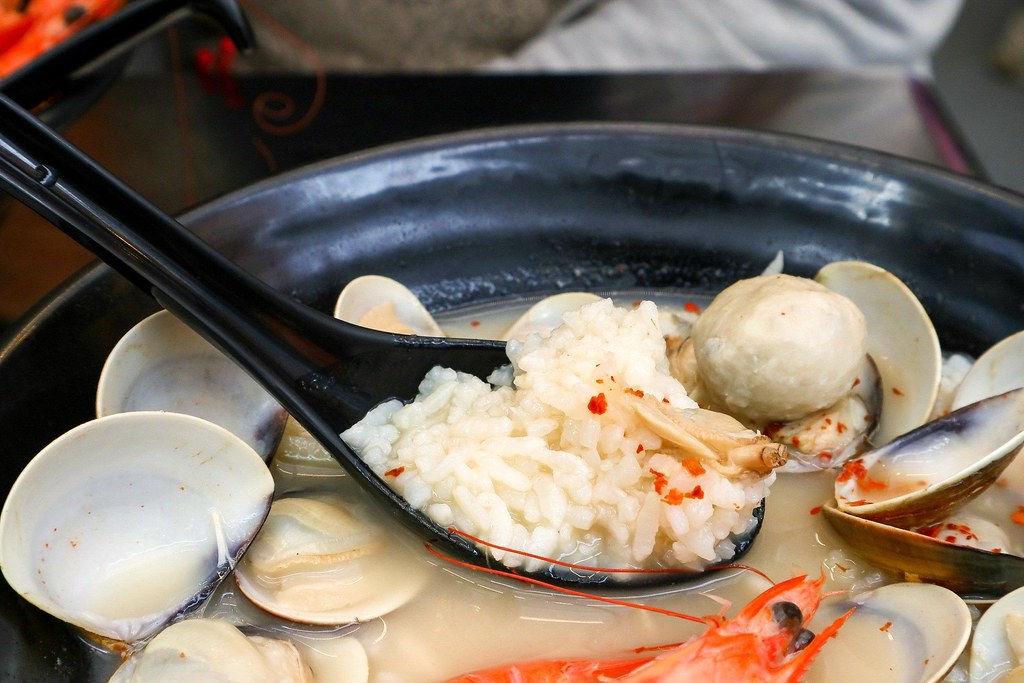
[978, 88]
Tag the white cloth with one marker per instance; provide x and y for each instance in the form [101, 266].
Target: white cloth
[613, 35]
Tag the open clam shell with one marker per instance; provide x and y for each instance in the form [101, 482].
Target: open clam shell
[998, 370]
[922, 476]
[546, 314]
[995, 650]
[216, 650]
[384, 304]
[968, 571]
[161, 364]
[901, 340]
[128, 521]
[900, 632]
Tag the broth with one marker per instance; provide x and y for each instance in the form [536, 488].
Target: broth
[463, 620]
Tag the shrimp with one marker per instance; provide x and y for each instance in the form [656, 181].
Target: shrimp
[766, 641]
[43, 24]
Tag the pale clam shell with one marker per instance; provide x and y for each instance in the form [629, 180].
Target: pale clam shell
[901, 340]
[932, 470]
[992, 654]
[127, 521]
[162, 364]
[315, 562]
[900, 632]
[998, 370]
[546, 314]
[212, 649]
[385, 304]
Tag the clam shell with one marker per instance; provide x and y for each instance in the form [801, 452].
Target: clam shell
[215, 650]
[546, 314]
[901, 340]
[992, 654]
[968, 571]
[385, 304]
[922, 476]
[125, 522]
[317, 561]
[900, 632]
[998, 370]
[161, 364]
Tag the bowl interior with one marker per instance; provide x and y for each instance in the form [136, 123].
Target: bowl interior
[481, 216]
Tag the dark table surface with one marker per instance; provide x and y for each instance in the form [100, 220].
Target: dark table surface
[180, 138]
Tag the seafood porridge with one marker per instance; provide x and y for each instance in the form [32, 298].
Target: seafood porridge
[329, 591]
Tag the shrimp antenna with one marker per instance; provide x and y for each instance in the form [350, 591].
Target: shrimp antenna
[567, 591]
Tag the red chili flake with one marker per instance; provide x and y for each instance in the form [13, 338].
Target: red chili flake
[664, 400]
[950, 539]
[599, 380]
[639, 448]
[182, 655]
[856, 381]
[697, 493]
[886, 627]
[474, 323]
[691, 307]
[772, 428]
[693, 466]
[635, 392]
[395, 472]
[856, 503]
[997, 550]
[825, 455]
[660, 481]
[932, 531]
[796, 441]
[897, 391]
[598, 404]
[673, 497]
[816, 509]
[1018, 516]
[855, 469]
[828, 420]
[613, 377]
[840, 427]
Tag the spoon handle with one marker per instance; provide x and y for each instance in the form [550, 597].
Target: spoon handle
[324, 372]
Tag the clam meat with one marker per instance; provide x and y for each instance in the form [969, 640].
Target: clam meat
[384, 304]
[320, 560]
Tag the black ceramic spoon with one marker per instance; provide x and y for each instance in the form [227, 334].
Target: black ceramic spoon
[326, 373]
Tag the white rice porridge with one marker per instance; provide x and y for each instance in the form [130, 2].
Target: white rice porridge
[551, 457]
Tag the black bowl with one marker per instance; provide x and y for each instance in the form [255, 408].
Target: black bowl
[480, 216]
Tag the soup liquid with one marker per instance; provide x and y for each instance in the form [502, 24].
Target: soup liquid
[464, 621]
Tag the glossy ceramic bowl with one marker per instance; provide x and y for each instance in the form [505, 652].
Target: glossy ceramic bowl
[481, 216]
